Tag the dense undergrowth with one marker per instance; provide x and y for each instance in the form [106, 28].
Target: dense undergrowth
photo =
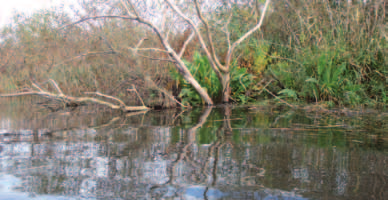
[306, 51]
[337, 54]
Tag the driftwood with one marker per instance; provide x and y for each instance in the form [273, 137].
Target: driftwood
[69, 101]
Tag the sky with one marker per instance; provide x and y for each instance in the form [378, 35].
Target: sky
[7, 7]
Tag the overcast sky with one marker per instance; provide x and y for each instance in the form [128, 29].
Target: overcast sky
[7, 7]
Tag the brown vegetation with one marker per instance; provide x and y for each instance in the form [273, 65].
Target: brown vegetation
[85, 55]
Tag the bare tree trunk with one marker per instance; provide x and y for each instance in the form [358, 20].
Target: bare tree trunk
[227, 120]
[204, 95]
[226, 87]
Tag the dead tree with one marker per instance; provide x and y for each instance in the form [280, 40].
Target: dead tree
[222, 70]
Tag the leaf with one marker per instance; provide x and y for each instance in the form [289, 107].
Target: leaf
[339, 71]
[322, 63]
[289, 93]
[327, 76]
[185, 92]
[312, 80]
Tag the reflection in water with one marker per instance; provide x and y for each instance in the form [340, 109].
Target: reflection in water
[212, 154]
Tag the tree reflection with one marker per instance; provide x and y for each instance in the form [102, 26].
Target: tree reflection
[183, 152]
[212, 153]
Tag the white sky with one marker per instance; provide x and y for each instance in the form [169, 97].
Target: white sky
[7, 7]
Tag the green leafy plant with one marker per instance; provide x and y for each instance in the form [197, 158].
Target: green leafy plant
[240, 81]
[328, 79]
[288, 93]
[201, 70]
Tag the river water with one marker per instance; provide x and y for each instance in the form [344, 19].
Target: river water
[209, 153]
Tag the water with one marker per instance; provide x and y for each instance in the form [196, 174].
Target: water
[213, 153]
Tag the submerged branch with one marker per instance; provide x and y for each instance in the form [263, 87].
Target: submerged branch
[165, 92]
[107, 96]
[70, 101]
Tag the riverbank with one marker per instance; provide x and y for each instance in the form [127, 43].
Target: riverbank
[310, 52]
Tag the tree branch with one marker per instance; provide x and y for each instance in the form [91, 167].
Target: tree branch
[152, 58]
[148, 49]
[69, 100]
[189, 21]
[247, 34]
[133, 8]
[156, 30]
[37, 87]
[141, 42]
[99, 17]
[226, 31]
[56, 86]
[108, 97]
[138, 95]
[128, 11]
[179, 64]
[83, 55]
[165, 92]
[208, 34]
[186, 43]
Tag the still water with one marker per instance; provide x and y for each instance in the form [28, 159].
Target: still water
[209, 153]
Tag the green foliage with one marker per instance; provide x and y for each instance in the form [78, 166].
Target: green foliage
[289, 93]
[336, 57]
[240, 81]
[201, 70]
[328, 80]
[261, 59]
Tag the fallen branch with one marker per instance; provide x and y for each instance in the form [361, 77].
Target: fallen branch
[70, 101]
[107, 96]
[134, 89]
[165, 92]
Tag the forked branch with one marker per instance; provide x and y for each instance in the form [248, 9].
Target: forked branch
[246, 35]
[200, 38]
[71, 101]
[186, 43]
[208, 34]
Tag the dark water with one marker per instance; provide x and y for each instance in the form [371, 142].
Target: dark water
[213, 153]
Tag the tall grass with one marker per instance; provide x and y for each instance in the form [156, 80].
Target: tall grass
[326, 52]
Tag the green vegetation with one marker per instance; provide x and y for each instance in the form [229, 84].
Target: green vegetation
[335, 54]
[306, 51]
[201, 70]
[313, 52]
[200, 67]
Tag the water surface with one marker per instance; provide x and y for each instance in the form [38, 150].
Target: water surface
[210, 153]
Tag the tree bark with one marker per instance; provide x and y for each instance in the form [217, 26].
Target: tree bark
[181, 67]
[68, 101]
[226, 87]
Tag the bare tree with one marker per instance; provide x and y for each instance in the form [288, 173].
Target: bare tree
[174, 12]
